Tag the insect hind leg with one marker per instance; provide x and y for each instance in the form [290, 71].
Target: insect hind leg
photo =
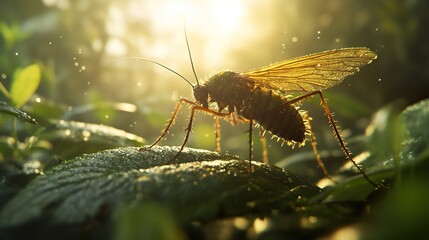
[336, 131]
[307, 120]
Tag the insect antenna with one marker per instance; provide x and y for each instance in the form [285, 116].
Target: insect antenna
[161, 65]
[190, 57]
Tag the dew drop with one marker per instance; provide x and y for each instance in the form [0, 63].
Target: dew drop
[86, 133]
[3, 76]
[312, 219]
[294, 39]
[16, 54]
[38, 100]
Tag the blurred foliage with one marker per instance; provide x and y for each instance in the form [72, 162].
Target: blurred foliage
[62, 66]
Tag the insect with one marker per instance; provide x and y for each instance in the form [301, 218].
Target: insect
[261, 96]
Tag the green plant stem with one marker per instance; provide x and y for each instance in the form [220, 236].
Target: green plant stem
[4, 90]
[15, 135]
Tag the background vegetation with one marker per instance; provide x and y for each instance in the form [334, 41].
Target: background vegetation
[87, 97]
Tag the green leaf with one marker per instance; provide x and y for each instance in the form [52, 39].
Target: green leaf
[347, 106]
[73, 138]
[396, 143]
[11, 110]
[24, 84]
[416, 119]
[11, 34]
[201, 185]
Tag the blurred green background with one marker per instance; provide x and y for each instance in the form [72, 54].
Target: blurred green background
[81, 46]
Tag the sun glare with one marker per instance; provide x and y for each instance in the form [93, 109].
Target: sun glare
[212, 24]
[223, 16]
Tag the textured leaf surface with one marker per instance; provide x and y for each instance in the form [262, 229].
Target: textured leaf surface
[201, 185]
[8, 109]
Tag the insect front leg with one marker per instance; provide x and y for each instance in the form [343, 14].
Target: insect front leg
[191, 120]
[171, 121]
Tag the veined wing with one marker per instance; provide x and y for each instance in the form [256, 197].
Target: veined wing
[312, 72]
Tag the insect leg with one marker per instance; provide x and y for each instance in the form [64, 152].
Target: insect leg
[191, 120]
[264, 146]
[250, 143]
[314, 145]
[173, 117]
[336, 131]
[217, 134]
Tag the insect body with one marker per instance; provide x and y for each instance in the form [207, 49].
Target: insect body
[241, 94]
[261, 95]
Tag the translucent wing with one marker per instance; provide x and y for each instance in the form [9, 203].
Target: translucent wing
[312, 72]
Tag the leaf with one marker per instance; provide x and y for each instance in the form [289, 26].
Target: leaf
[416, 118]
[74, 137]
[45, 109]
[24, 84]
[396, 143]
[202, 185]
[11, 110]
[346, 105]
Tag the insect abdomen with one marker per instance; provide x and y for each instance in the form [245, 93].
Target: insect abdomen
[275, 114]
